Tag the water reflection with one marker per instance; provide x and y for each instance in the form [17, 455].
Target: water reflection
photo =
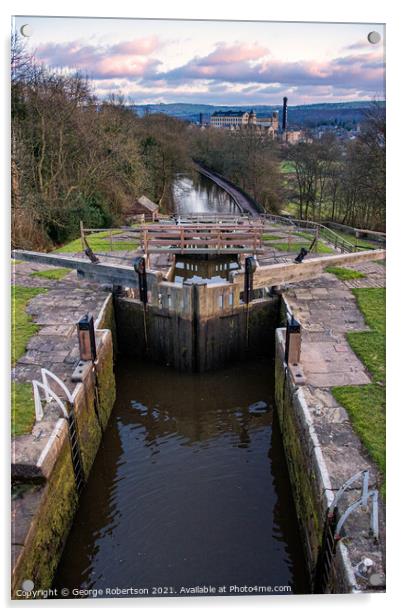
[199, 195]
[189, 486]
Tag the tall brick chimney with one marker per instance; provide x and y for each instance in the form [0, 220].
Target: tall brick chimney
[284, 123]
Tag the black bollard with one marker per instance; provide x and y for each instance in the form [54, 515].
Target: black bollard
[140, 267]
[301, 255]
[86, 338]
[250, 268]
[292, 340]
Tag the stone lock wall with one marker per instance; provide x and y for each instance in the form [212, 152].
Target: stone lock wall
[46, 497]
[308, 473]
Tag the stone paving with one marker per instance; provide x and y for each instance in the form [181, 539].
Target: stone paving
[375, 276]
[57, 311]
[327, 310]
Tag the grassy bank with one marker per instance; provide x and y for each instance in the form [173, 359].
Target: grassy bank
[267, 237]
[366, 403]
[23, 328]
[100, 242]
[56, 273]
[343, 273]
[321, 248]
[23, 409]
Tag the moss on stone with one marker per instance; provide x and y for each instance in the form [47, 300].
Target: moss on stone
[52, 521]
[106, 384]
[307, 500]
[89, 429]
[51, 525]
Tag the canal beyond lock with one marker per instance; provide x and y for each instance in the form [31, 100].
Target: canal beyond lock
[190, 486]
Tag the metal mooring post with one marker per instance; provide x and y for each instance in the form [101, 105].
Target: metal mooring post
[292, 340]
[140, 267]
[86, 338]
[88, 352]
[250, 268]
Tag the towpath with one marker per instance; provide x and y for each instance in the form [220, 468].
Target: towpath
[327, 311]
[56, 312]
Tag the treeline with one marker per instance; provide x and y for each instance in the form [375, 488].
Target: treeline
[343, 181]
[75, 158]
[248, 159]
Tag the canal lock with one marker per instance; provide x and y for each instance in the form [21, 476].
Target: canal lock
[190, 484]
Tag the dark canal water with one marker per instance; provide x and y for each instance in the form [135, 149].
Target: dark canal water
[189, 487]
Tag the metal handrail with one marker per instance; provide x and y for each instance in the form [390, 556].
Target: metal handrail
[336, 240]
[49, 393]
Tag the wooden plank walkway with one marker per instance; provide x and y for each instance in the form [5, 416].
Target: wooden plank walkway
[201, 239]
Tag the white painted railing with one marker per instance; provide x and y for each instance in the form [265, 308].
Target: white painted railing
[43, 385]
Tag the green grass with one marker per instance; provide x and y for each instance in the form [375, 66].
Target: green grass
[23, 327]
[16, 261]
[267, 237]
[296, 247]
[305, 234]
[344, 274]
[22, 404]
[372, 304]
[22, 408]
[365, 404]
[52, 274]
[371, 346]
[99, 242]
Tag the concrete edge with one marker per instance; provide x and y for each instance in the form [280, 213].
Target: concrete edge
[316, 448]
[50, 452]
[102, 312]
[348, 567]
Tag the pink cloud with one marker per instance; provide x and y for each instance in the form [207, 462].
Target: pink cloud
[123, 66]
[138, 47]
[248, 65]
[125, 59]
[364, 71]
[238, 52]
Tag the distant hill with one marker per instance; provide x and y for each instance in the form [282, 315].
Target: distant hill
[299, 116]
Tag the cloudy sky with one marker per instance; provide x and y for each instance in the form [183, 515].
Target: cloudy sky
[234, 63]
